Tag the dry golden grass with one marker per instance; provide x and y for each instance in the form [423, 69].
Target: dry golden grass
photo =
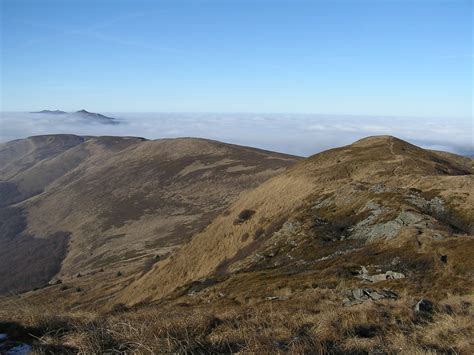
[275, 281]
[341, 175]
[304, 326]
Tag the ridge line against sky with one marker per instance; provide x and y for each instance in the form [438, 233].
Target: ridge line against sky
[397, 58]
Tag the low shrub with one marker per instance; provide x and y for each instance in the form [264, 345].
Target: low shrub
[243, 216]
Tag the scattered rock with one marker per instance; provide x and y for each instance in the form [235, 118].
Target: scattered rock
[276, 298]
[337, 253]
[323, 203]
[319, 222]
[424, 306]
[380, 188]
[392, 275]
[395, 261]
[376, 295]
[360, 295]
[271, 298]
[388, 275]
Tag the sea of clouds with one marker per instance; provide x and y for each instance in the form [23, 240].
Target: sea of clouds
[297, 134]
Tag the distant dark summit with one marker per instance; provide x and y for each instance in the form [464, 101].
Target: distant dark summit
[55, 112]
[82, 115]
[97, 117]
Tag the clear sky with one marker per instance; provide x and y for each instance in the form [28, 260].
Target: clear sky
[405, 58]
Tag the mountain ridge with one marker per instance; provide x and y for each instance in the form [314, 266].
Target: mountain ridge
[386, 160]
[146, 195]
[359, 248]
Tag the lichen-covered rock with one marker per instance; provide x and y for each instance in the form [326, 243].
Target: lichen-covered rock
[388, 275]
[435, 206]
[369, 230]
[360, 295]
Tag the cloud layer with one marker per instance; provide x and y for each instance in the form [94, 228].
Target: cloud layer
[295, 134]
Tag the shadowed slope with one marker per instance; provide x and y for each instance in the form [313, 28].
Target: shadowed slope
[122, 200]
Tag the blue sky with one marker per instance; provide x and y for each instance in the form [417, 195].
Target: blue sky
[399, 58]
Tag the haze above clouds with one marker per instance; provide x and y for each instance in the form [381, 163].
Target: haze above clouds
[373, 64]
[290, 133]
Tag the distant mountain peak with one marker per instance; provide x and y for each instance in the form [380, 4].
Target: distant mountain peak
[53, 112]
[84, 115]
[97, 117]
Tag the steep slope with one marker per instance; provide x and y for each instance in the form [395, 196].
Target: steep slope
[380, 201]
[83, 204]
[21, 154]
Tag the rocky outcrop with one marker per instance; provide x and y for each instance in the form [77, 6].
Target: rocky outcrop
[360, 295]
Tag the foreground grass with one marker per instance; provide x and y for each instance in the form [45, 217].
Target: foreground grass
[298, 326]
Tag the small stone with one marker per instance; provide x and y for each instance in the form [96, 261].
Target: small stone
[271, 298]
[376, 296]
[347, 302]
[392, 275]
[359, 294]
[390, 294]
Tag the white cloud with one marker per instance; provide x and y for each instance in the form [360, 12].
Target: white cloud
[295, 134]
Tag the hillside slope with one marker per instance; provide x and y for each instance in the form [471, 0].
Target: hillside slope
[84, 204]
[377, 201]
[361, 249]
